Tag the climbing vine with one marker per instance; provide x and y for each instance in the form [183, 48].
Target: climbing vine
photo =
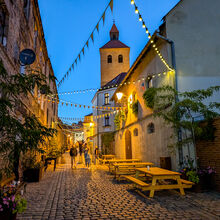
[119, 117]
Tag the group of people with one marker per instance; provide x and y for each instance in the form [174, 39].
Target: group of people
[82, 149]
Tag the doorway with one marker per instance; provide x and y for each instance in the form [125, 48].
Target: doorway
[128, 147]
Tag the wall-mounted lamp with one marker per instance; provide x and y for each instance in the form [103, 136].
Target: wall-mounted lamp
[119, 95]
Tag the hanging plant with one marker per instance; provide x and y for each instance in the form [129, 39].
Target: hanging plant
[135, 108]
[120, 117]
[149, 97]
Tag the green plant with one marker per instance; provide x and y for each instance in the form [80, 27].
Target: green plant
[193, 176]
[119, 117]
[178, 109]
[135, 107]
[19, 135]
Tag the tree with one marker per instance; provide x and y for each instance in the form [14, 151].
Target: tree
[181, 114]
[27, 133]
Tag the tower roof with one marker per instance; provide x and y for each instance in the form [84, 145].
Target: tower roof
[114, 42]
[114, 29]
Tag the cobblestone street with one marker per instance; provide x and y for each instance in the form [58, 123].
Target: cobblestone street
[93, 194]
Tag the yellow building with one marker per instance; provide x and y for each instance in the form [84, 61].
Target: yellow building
[88, 128]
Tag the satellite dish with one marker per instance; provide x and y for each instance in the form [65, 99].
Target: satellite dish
[27, 57]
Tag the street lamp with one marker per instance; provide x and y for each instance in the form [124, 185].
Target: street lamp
[119, 95]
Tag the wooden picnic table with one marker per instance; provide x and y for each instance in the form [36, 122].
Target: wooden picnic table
[114, 161]
[128, 168]
[107, 158]
[158, 174]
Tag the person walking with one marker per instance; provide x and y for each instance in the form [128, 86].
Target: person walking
[87, 157]
[96, 155]
[73, 154]
[80, 151]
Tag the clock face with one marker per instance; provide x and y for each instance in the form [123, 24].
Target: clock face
[27, 56]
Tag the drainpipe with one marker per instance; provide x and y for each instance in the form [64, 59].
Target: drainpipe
[173, 57]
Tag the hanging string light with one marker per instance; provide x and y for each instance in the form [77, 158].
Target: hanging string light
[150, 37]
[103, 88]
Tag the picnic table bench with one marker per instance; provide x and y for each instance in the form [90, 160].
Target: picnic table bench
[114, 161]
[158, 174]
[121, 169]
[106, 158]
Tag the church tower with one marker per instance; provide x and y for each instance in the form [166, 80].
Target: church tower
[114, 57]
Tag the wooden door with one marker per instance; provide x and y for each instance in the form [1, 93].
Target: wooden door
[128, 147]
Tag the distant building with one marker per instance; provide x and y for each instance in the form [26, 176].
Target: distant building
[114, 66]
[88, 128]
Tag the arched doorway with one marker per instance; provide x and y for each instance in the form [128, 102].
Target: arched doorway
[128, 147]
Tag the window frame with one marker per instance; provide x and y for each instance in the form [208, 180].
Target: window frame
[120, 58]
[5, 26]
[109, 58]
[107, 121]
[106, 99]
[149, 82]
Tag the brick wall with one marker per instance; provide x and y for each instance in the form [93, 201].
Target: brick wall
[209, 153]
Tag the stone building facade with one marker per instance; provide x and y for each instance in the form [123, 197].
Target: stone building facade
[21, 28]
[193, 53]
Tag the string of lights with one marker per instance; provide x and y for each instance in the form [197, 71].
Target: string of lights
[113, 86]
[93, 117]
[150, 37]
[68, 103]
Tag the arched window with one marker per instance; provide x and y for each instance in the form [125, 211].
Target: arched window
[26, 8]
[135, 132]
[109, 58]
[150, 128]
[120, 58]
[106, 100]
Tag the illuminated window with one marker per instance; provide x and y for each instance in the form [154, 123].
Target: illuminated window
[150, 128]
[109, 58]
[120, 59]
[106, 98]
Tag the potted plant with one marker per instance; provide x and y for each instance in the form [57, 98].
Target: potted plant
[33, 169]
[10, 203]
[207, 177]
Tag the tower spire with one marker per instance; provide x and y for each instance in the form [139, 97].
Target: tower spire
[114, 33]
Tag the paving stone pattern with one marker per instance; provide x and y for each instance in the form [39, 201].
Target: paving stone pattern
[93, 194]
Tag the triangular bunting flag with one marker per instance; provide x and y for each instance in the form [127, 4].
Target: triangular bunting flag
[97, 27]
[92, 37]
[87, 43]
[83, 50]
[79, 56]
[111, 5]
[103, 18]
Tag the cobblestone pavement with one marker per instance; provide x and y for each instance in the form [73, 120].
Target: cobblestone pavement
[92, 194]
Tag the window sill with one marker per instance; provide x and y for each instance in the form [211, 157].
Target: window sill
[105, 126]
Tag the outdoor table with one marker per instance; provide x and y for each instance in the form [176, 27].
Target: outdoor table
[161, 174]
[111, 168]
[106, 158]
[128, 168]
[50, 159]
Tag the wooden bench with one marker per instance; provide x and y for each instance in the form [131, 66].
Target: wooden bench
[136, 182]
[128, 169]
[186, 183]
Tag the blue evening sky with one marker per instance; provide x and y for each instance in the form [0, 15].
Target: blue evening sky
[68, 24]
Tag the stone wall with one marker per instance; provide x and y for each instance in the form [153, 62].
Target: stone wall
[208, 153]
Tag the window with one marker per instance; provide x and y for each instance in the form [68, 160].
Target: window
[4, 21]
[109, 58]
[120, 59]
[106, 98]
[150, 82]
[135, 132]
[26, 8]
[107, 121]
[150, 128]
